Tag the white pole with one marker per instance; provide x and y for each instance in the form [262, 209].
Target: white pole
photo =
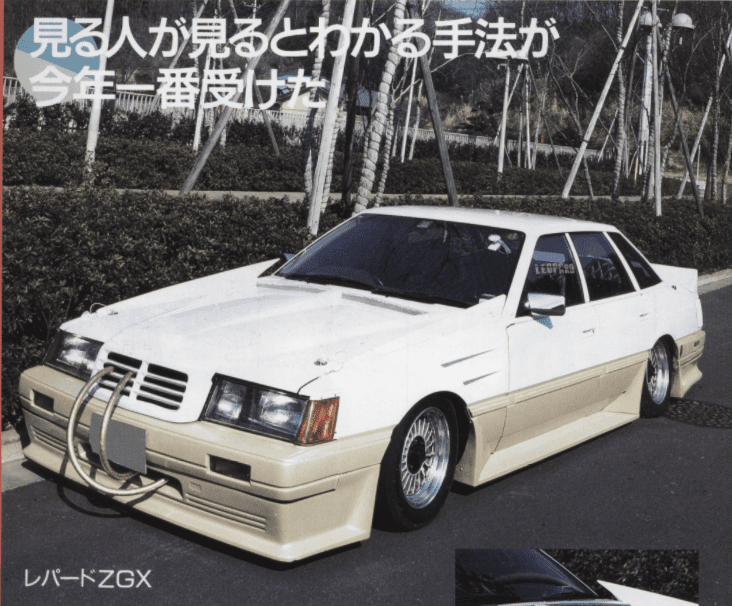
[598, 107]
[409, 109]
[96, 110]
[502, 145]
[609, 130]
[329, 123]
[201, 110]
[646, 101]
[656, 117]
[513, 89]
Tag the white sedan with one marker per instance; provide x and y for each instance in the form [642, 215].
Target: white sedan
[406, 348]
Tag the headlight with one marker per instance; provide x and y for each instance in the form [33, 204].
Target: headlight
[73, 354]
[280, 414]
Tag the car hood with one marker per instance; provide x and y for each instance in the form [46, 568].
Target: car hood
[638, 597]
[273, 332]
[582, 602]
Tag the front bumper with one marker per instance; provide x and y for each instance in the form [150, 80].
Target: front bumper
[298, 501]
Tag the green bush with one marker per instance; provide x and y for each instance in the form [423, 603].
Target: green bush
[673, 573]
[424, 176]
[37, 158]
[33, 157]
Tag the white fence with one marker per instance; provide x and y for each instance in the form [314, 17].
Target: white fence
[143, 104]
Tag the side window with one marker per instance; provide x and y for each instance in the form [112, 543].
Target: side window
[641, 269]
[604, 272]
[552, 272]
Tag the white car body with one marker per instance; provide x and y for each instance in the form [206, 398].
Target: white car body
[524, 387]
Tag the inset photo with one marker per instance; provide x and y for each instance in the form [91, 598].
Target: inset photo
[576, 577]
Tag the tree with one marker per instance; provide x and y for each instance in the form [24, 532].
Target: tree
[379, 118]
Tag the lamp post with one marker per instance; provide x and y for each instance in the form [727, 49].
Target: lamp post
[680, 21]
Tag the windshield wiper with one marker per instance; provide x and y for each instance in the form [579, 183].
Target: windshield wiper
[329, 279]
[418, 296]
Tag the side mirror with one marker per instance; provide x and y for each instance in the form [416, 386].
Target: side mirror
[545, 305]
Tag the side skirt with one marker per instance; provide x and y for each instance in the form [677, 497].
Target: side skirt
[619, 385]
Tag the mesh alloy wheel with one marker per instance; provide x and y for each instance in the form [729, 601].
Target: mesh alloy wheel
[657, 385]
[418, 466]
[425, 457]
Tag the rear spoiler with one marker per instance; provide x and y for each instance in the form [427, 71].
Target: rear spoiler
[678, 276]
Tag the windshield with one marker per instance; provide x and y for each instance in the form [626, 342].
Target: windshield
[423, 259]
[507, 576]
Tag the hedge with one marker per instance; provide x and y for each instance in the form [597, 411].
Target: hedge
[32, 157]
[63, 251]
[673, 573]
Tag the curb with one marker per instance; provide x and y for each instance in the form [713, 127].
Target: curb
[715, 281]
[13, 451]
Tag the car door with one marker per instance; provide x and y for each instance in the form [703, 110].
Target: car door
[624, 314]
[625, 317]
[550, 356]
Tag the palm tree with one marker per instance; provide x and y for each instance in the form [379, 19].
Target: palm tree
[379, 118]
[307, 144]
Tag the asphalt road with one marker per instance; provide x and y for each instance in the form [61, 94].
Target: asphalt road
[655, 484]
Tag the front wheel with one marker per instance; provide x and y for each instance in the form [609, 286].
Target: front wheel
[418, 467]
[657, 384]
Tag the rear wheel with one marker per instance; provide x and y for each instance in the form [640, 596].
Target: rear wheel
[418, 466]
[657, 384]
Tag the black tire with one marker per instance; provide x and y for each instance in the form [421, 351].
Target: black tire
[657, 382]
[418, 467]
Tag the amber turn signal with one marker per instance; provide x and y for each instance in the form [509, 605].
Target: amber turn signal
[319, 422]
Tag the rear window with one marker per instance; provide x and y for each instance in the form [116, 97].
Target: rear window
[641, 268]
[604, 272]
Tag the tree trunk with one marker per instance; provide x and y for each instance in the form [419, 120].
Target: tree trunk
[598, 107]
[620, 151]
[385, 157]
[417, 118]
[712, 186]
[378, 121]
[725, 172]
[228, 111]
[329, 133]
[329, 173]
[353, 66]
[307, 143]
[409, 110]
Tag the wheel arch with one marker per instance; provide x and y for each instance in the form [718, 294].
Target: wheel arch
[670, 344]
[673, 350]
[462, 415]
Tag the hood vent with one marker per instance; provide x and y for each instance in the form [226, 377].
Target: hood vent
[150, 383]
[294, 287]
[384, 305]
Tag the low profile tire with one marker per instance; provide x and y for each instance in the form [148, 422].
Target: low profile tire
[418, 467]
[657, 383]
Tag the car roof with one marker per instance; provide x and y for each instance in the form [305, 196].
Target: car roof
[529, 223]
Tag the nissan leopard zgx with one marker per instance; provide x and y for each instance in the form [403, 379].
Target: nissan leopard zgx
[406, 348]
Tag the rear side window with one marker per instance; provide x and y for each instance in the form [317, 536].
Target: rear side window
[552, 272]
[604, 272]
[641, 269]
